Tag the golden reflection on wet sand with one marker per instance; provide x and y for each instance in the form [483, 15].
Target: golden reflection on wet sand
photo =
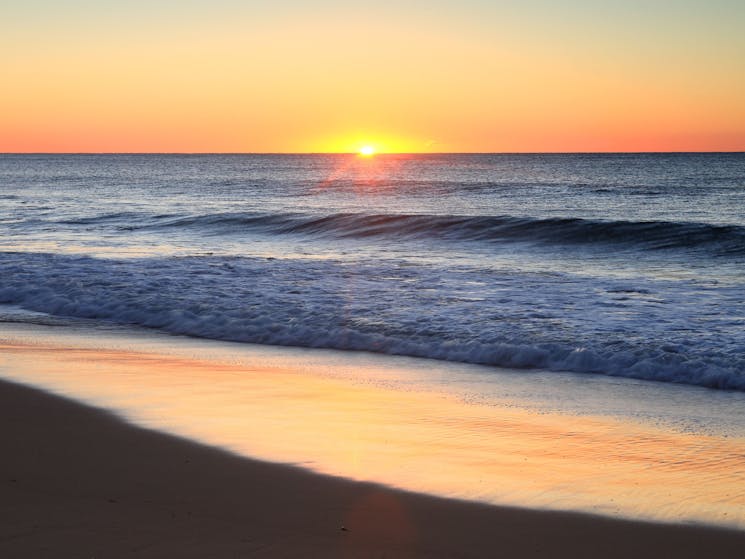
[417, 440]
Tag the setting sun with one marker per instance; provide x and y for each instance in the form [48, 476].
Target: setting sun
[367, 151]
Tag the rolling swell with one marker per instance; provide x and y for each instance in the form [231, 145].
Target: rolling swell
[648, 235]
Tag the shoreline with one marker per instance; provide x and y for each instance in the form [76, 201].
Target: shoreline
[78, 482]
[384, 421]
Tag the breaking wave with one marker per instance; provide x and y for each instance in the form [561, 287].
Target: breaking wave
[504, 318]
[646, 235]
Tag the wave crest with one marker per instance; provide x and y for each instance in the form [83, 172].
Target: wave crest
[649, 235]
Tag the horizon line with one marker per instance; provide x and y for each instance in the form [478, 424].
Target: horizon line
[377, 154]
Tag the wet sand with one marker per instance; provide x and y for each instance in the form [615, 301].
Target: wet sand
[382, 420]
[76, 481]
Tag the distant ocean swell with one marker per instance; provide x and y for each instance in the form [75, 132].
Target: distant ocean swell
[508, 318]
[648, 235]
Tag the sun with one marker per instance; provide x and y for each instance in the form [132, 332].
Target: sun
[367, 151]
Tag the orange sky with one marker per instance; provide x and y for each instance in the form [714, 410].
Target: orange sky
[468, 76]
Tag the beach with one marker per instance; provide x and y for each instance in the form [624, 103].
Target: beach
[396, 355]
[377, 280]
[80, 481]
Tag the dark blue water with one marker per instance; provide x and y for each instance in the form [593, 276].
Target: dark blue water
[627, 265]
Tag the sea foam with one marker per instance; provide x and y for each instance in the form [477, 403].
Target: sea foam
[674, 331]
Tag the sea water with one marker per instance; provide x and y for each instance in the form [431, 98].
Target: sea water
[627, 265]
[569, 330]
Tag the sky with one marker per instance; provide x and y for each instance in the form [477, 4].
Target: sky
[402, 76]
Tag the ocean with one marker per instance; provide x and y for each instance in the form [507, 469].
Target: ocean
[544, 331]
[627, 265]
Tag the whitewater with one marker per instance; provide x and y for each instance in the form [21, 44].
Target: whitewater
[624, 265]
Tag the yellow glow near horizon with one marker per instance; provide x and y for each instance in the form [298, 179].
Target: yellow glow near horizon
[367, 151]
[377, 140]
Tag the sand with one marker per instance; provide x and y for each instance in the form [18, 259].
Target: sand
[76, 481]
